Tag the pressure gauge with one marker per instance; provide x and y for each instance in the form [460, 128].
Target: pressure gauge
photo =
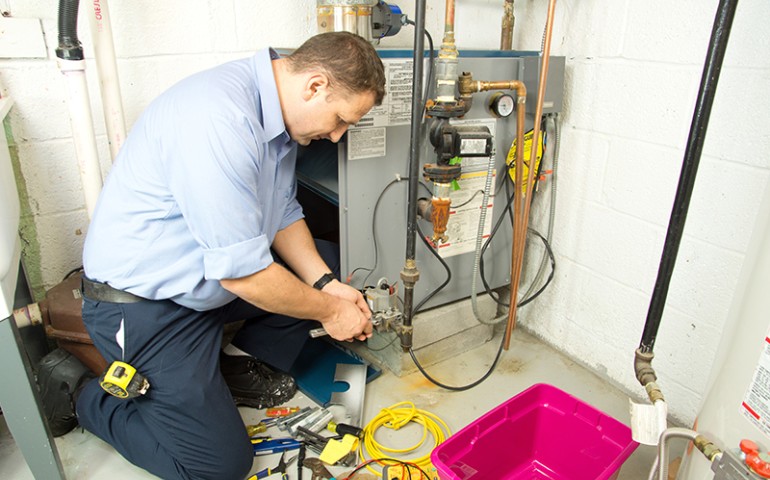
[501, 104]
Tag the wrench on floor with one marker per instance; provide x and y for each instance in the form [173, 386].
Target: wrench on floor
[320, 472]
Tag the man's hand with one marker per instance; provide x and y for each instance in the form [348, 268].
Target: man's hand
[344, 291]
[346, 321]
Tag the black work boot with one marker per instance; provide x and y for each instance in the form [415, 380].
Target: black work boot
[60, 377]
[254, 384]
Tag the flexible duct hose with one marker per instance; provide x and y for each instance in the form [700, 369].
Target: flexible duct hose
[69, 46]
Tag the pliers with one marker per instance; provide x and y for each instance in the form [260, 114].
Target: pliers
[281, 468]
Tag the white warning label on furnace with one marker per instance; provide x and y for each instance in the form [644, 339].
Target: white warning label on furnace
[756, 403]
[463, 226]
[396, 108]
[366, 143]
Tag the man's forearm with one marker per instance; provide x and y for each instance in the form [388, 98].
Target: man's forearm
[295, 245]
[277, 290]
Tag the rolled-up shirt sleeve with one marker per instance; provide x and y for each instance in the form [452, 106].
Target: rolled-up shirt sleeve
[293, 211]
[237, 260]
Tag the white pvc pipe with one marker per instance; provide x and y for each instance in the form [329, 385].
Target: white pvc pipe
[82, 130]
[107, 68]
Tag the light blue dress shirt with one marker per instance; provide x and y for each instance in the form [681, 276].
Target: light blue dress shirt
[199, 189]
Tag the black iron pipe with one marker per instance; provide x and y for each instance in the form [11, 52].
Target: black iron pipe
[69, 46]
[410, 274]
[414, 141]
[720, 34]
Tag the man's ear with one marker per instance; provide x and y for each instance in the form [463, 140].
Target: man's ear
[316, 83]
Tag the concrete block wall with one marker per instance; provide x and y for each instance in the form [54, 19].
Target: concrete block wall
[633, 70]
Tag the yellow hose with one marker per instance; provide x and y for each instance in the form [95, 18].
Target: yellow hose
[395, 417]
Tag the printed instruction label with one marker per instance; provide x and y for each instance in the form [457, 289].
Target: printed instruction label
[463, 225]
[396, 108]
[367, 138]
[756, 402]
[366, 143]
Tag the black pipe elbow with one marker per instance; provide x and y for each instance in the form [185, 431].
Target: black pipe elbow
[69, 46]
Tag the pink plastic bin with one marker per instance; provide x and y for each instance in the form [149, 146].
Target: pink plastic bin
[541, 433]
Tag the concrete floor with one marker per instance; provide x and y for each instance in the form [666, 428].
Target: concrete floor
[527, 362]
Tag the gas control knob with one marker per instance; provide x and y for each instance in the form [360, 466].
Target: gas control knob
[502, 104]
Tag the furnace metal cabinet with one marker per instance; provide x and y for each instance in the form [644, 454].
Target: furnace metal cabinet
[353, 175]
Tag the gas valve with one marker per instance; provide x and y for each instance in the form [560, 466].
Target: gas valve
[383, 302]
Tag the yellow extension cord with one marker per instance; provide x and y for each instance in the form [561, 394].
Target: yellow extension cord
[395, 417]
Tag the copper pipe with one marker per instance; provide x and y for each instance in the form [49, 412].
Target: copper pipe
[449, 18]
[520, 233]
[506, 35]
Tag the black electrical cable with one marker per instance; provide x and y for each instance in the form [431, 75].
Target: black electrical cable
[423, 302]
[546, 244]
[374, 231]
[464, 387]
[73, 272]
[443, 263]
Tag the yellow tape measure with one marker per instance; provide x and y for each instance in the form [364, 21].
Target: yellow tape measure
[122, 380]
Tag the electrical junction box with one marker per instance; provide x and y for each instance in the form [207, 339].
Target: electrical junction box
[342, 184]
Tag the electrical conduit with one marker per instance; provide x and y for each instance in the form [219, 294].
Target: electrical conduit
[467, 87]
[72, 66]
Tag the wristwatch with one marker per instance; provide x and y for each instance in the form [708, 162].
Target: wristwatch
[321, 282]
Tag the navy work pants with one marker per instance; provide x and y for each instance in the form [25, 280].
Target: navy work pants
[187, 425]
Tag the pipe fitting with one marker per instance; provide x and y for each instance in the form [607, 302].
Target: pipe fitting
[643, 367]
[706, 447]
[654, 392]
[409, 274]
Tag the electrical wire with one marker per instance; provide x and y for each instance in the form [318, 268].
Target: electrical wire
[550, 123]
[393, 461]
[448, 270]
[396, 417]
[374, 231]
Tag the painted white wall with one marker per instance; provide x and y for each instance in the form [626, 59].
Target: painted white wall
[633, 70]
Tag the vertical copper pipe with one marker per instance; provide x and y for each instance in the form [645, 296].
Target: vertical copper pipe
[522, 220]
[506, 34]
[449, 17]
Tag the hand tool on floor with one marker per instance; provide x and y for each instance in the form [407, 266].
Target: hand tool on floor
[320, 472]
[281, 468]
[260, 427]
[300, 460]
[123, 381]
[268, 445]
[281, 411]
[344, 429]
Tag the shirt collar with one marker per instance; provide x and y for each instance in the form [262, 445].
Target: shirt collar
[272, 117]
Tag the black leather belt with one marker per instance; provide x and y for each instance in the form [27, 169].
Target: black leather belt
[101, 292]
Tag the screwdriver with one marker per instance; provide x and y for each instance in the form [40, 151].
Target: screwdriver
[344, 429]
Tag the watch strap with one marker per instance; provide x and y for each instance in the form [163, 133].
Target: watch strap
[321, 282]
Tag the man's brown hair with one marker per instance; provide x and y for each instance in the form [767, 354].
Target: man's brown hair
[350, 62]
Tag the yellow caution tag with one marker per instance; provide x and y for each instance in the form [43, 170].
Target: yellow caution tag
[511, 159]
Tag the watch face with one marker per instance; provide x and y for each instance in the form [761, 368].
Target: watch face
[503, 105]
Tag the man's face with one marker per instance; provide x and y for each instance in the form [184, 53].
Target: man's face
[329, 114]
